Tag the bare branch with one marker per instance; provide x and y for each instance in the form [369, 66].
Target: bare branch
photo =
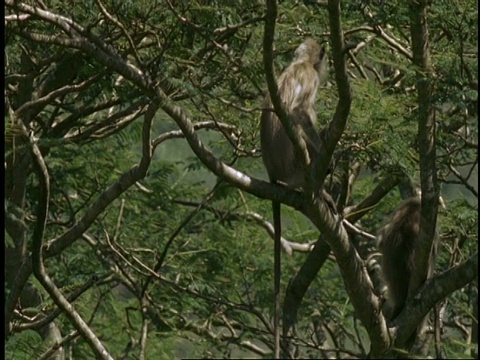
[118, 24]
[37, 259]
[57, 93]
[355, 212]
[288, 246]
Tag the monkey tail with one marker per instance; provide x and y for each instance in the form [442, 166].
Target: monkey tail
[277, 275]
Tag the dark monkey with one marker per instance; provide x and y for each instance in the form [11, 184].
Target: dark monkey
[297, 87]
[397, 244]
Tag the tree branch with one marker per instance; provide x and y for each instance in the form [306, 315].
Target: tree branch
[37, 258]
[436, 289]
[426, 143]
[299, 144]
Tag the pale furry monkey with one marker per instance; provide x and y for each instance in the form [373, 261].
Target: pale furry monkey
[297, 87]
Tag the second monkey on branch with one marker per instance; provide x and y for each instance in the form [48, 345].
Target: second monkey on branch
[297, 87]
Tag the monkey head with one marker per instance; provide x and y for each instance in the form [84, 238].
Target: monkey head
[315, 54]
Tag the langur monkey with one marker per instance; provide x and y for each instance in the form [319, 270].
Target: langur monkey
[397, 243]
[297, 87]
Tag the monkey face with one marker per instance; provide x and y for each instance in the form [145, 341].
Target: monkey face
[311, 52]
[321, 59]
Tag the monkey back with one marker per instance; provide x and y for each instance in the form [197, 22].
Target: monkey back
[297, 87]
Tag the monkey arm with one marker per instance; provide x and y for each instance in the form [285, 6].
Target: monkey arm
[308, 131]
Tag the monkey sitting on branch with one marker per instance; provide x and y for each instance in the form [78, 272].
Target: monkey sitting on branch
[397, 242]
[297, 87]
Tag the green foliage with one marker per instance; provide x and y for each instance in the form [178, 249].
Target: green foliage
[24, 345]
[213, 296]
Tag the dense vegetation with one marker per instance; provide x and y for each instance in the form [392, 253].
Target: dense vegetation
[136, 221]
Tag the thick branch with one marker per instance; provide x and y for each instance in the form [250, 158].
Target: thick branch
[434, 291]
[426, 142]
[299, 144]
[357, 281]
[337, 125]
